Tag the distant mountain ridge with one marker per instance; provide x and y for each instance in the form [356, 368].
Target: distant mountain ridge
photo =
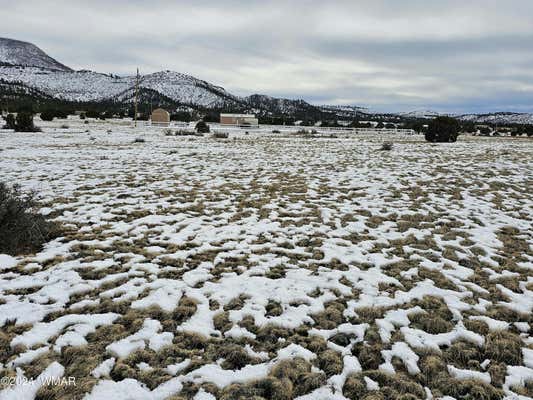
[26, 70]
[17, 52]
[492, 118]
[25, 65]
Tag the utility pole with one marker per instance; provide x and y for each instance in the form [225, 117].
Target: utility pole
[136, 96]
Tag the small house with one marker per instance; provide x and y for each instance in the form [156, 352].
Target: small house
[160, 117]
[239, 119]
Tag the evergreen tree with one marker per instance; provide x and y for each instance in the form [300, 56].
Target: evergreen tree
[443, 129]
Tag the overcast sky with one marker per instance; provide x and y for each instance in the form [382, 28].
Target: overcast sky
[389, 55]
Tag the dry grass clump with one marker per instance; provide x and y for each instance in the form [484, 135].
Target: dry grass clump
[463, 354]
[298, 372]
[430, 323]
[355, 387]
[433, 368]
[330, 362]
[369, 314]
[369, 355]
[235, 357]
[506, 314]
[342, 339]
[190, 341]
[477, 326]
[185, 309]
[526, 390]
[287, 380]
[505, 347]
[153, 378]
[122, 371]
[222, 322]
[272, 333]
[331, 317]
[39, 364]
[470, 389]
[277, 272]
[437, 277]
[236, 303]
[271, 388]
[273, 309]
[393, 387]
[435, 306]
[398, 384]
[498, 372]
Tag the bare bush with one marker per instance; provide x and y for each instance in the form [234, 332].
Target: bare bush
[22, 228]
[202, 127]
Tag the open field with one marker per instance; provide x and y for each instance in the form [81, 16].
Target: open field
[270, 266]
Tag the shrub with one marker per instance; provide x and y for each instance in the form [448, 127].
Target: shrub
[485, 131]
[61, 114]
[276, 131]
[92, 114]
[220, 135]
[24, 123]
[443, 129]
[10, 122]
[184, 132]
[82, 116]
[202, 127]
[22, 228]
[48, 115]
[386, 146]
[64, 126]
[168, 132]
[139, 140]
[306, 132]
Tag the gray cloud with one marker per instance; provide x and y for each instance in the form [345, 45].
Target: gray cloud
[384, 54]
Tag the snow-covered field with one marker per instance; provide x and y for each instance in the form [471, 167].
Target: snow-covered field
[270, 266]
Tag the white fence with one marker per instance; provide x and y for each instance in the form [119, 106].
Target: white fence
[217, 127]
[318, 129]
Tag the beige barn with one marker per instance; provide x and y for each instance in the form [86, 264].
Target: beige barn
[238, 119]
[160, 117]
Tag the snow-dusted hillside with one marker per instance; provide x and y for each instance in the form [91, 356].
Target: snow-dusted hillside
[188, 89]
[429, 114]
[16, 52]
[345, 111]
[67, 85]
[499, 118]
[279, 106]
[492, 118]
[24, 63]
[93, 86]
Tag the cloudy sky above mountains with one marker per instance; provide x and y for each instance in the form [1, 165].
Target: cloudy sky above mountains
[448, 55]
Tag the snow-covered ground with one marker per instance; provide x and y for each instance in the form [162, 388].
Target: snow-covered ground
[269, 265]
